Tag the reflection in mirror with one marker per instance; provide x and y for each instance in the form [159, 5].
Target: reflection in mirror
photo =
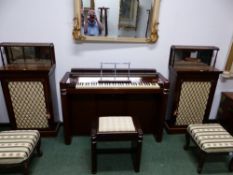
[116, 20]
[128, 17]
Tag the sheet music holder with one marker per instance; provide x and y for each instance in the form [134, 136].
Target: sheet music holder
[114, 78]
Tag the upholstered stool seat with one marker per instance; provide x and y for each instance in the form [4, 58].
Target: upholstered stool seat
[17, 146]
[117, 128]
[210, 139]
[116, 124]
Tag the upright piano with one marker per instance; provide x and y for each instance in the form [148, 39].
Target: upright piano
[89, 93]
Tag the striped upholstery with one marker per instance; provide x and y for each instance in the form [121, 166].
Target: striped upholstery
[211, 137]
[17, 145]
[116, 124]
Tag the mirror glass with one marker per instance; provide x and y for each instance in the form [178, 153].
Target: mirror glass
[116, 20]
[28, 55]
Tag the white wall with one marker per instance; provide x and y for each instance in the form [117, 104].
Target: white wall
[186, 22]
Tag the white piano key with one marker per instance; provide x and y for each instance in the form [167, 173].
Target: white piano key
[117, 85]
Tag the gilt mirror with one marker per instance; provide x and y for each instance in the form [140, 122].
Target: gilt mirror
[228, 72]
[134, 21]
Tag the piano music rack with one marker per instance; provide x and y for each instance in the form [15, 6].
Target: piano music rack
[115, 76]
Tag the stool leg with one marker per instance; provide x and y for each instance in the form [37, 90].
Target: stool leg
[25, 168]
[231, 165]
[38, 150]
[187, 141]
[201, 161]
[93, 155]
[138, 153]
[138, 156]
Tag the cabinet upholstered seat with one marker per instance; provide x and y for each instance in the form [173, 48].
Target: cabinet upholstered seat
[211, 138]
[17, 147]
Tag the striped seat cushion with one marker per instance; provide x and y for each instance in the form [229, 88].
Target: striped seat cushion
[116, 124]
[211, 137]
[17, 145]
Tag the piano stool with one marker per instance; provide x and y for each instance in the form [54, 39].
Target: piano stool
[116, 128]
[17, 148]
[210, 138]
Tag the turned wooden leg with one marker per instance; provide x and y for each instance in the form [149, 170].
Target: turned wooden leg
[138, 154]
[93, 156]
[38, 150]
[187, 141]
[26, 168]
[231, 165]
[201, 161]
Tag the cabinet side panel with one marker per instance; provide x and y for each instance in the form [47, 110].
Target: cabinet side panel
[28, 101]
[53, 91]
[193, 101]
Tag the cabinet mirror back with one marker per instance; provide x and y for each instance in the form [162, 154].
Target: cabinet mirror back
[41, 54]
[193, 57]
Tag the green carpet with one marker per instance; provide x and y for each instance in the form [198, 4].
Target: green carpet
[165, 158]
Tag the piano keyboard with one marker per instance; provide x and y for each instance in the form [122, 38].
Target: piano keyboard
[133, 85]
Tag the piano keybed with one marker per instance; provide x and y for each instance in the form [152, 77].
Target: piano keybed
[133, 85]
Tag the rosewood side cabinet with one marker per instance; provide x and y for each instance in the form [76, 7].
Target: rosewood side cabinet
[225, 111]
[193, 79]
[27, 77]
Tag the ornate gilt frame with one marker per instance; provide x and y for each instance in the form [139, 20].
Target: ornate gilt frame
[228, 71]
[78, 36]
